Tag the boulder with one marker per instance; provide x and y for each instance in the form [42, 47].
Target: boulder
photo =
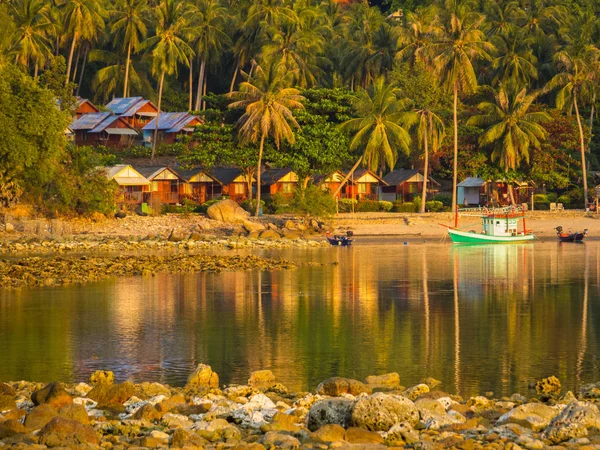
[337, 386]
[388, 380]
[177, 236]
[112, 394]
[9, 227]
[329, 433]
[415, 392]
[203, 376]
[379, 412]
[273, 439]
[102, 377]
[290, 225]
[261, 379]
[228, 211]
[431, 382]
[182, 438]
[53, 394]
[402, 432]
[173, 421]
[548, 386]
[147, 412]
[75, 412]
[254, 235]
[269, 234]
[291, 234]
[149, 390]
[6, 389]
[361, 436]
[7, 403]
[40, 416]
[587, 391]
[10, 428]
[536, 416]
[434, 416]
[251, 226]
[573, 422]
[330, 411]
[282, 422]
[67, 433]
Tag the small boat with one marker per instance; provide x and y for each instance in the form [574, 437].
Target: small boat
[568, 236]
[337, 239]
[499, 226]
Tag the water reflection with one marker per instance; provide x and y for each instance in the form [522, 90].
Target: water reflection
[478, 318]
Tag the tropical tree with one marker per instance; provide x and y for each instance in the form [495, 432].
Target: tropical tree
[430, 134]
[515, 61]
[268, 101]
[169, 47]
[510, 127]
[129, 29]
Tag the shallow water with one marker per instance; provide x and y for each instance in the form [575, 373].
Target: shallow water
[479, 318]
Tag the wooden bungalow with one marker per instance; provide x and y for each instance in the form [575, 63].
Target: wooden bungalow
[278, 181]
[171, 126]
[84, 106]
[200, 186]
[232, 183]
[475, 191]
[364, 185]
[166, 185]
[136, 111]
[132, 184]
[103, 128]
[404, 184]
[331, 182]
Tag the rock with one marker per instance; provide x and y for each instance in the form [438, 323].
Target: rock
[282, 422]
[573, 422]
[587, 391]
[102, 377]
[177, 236]
[388, 380]
[204, 376]
[252, 227]
[431, 382]
[434, 416]
[402, 431]
[112, 394]
[330, 411]
[160, 436]
[5, 389]
[7, 403]
[291, 234]
[379, 412]
[362, 436]
[75, 412]
[329, 433]
[147, 412]
[536, 416]
[182, 438]
[290, 225]
[228, 211]
[9, 227]
[530, 443]
[415, 392]
[176, 421]
[67, 433]
[40, 416]
[254, 235]
[261, 379]
[548, 386]
[479, 403]
[150, 390]
[269, 234]
[337, 386]
[273, 439]
[53, 394]
[10, 428]
[256, 412]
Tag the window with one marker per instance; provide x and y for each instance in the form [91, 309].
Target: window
[287, 188]
[239, 188]
[362, 188]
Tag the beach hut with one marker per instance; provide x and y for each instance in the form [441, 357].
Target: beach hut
[103, 128]
[132, 184]
[166, 185]
[136, 111]
[331, 182]
[200, 185]
[477, 191]
[278, 181]
[472, 191]
[84, 106]
[171, 126]
[404, 184]
[365, 185]
[232, 183]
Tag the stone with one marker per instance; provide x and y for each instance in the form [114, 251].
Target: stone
[102, 377]
[291, 234]
[151, 390]
[548, 386]
[402, 431]
[7, 403]
[252, 227]
[431, 382]
[67, 433]
[479, 403]
[274, 439]
[176, 421]
[573, 422]
[6, 389]
[9, 227]
[182, 438]
[329, 433]
[330, 411]
[256, 412]
[261, 379]
[337, 386]
[282, 422]
[177, 236]
[290, 225]
[204, 376]
[147, 412]
[75, 412]
[530, 443]
[361, 436]
[254, 235]
[227, 211]
[434, 416]
[10, 428]
[269, 234]
[39, 416]
[53, 394]
[160, 436]
[389, 380]
[415, 392]
[112, 394]
[589, 391]
[379, 412]
[536, 416]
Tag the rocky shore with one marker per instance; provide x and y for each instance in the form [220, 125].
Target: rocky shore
[342, 413]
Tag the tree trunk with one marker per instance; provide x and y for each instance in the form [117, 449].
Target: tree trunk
[160, 91]
[35, 70]
[70, 63]
[204, 90]
[455, 162]
[425, 171]
[511, 193]
[582, 143]
[127, 63]
[305, 182]
[82, 70]
[592, 120]
[235, 72]
[76, 65]
[200, 86]
[345, 180]
[191, 82]
[260, 153]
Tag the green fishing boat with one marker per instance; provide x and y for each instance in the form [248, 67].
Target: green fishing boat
[498, 226]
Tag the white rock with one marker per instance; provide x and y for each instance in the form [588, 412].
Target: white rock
[160, 436]
[157, 399]
[87, 403]
[447, 402]
[82, 389]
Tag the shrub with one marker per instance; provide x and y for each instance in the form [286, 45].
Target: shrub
[434, 206]
[564, 199]
[543, 198]
[346, 204]
[250, 205]
[551, 196]
[446, 199]
[367, 206]
[407, 207]
[417, 202]
[312, 201]
[385, 206]
[204, 206]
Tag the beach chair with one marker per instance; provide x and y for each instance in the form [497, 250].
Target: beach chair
[552, 206]
[560, 207]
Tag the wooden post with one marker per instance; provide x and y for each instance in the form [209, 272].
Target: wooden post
[532, 200]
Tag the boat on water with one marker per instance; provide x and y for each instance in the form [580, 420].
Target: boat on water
[568, 236]
[339, 240]
[498, 226]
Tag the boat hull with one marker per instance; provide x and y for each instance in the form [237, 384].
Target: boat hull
[466, 237]
[575, 237]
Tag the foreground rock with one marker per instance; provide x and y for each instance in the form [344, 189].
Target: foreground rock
[337, 386]
[379, 412]
[228, 211]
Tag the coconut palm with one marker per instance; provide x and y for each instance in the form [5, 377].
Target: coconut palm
[268, 101]
[515, 61]
[169, 47]
[419, 30]
[430, 134]
[129, 30]
[452, 59]
[502, 15]
[510, 127]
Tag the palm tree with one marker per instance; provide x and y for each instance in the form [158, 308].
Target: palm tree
[430, 132]
[268, 103]
[419, 30]
[452, 60]
[515, 61]
[129, 30]
[510, 128]
[379, 128]
[169, 48]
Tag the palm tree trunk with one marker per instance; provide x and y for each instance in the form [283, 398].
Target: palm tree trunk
[345, 180]
[204, 90]
[70, 63]
[455, 162]
[425, 171]
[35, 70]
[127, 63]
[200, 86]
[76, 65]
[582, 143]
[260, 153]
[160, 91]
[85, 55]
[592, 119]
[511, 193]
[235, 72]
[191, 82]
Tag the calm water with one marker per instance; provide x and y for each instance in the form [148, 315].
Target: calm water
[479, 318]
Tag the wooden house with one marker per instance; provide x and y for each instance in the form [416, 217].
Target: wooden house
[232, 183]
[278, 181]
[171, 126]
[404, 184]
[103, 128]
[364, 185]
[132, 184]
[84, 106]
[331, 182]
[200, 185]
[136, 111]
[166, 185]
[475, 191]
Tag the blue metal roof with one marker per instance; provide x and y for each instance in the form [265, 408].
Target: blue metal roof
[170, 122]
[121, 106]
[90, 121]
[471, 182]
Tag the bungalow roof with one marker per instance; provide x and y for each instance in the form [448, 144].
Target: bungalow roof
[171, 122]
[101, 121]
[151, 172]
[365, 173]
[272, 176]
[336, 176]
[399, 176]
[472, 182]
[126, 175]
[194, 175]
[129, 106]
[226, 176]
[80, 101]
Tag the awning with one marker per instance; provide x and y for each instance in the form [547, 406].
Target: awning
[131, 181]
[188, 129]
[146, 114]
[121, 131]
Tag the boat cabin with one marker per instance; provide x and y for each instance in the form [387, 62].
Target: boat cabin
[499, 226]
